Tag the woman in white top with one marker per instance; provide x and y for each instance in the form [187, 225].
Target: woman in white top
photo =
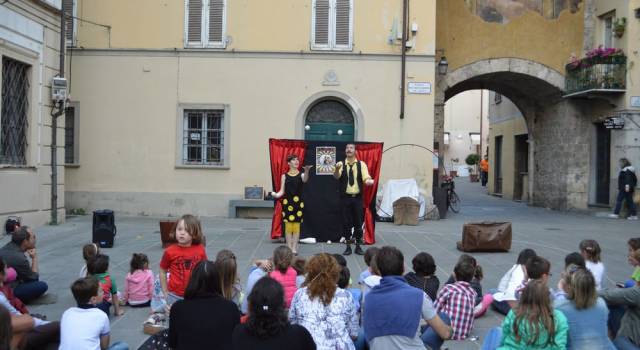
[504, 297]
[590, 251]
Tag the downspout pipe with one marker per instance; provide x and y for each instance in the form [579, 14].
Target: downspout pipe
[405, 19]
[54, 129]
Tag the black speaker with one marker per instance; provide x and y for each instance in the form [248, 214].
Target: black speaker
[104, 228]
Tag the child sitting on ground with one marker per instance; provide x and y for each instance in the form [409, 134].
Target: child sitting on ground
[98, 267]
[227, 266]
[482, 302]
[574, 258]
[284, 273]
[89, 251]
[505, 295]
[138, 285]
[423, 276]
[85, 326]
[590, 250]
[633, 245]
[457, 300]
[368, 256]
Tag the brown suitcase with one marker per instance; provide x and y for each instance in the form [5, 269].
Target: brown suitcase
[486, 237]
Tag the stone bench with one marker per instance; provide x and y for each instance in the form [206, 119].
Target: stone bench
[234, 204]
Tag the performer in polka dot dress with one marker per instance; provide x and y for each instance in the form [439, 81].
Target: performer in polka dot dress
[292, 204]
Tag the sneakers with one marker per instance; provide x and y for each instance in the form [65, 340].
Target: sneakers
[155, 324]
[632, 218]
[613, 216]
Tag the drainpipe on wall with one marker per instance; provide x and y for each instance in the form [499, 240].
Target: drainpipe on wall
[54, 130]
[405, 19]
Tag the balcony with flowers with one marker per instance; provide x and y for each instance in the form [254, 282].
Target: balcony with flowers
[601, 71]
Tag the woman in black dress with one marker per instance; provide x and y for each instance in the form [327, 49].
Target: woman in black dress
[292, 204]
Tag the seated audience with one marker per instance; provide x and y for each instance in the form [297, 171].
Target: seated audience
[326, 311]
[504, 297]
[482, 302]
[138, 285]
[37, 332]
[368, 256]
[393, 310]
[28, 286]
[586, 313]
[591, 251]
[424, 274]
[533, 324]
[284, 273]
[228, 271]
[268, 325]
[624, 314]
[99, 268]
[89, 251]
[574, 258]
[85, 327]
[204, 319]
[457, 300]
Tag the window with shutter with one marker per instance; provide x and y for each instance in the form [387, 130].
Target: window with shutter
[332, 25]
[194, 22]
[321, 19]
[343, 24]
[205, 22]
[216, 22]
[69, 8]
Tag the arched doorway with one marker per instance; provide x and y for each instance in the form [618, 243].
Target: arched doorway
[329, 120]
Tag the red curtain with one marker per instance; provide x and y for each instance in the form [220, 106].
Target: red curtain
[278, 151]
[371, 154]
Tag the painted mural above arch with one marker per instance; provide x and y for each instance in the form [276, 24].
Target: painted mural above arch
[503, 11]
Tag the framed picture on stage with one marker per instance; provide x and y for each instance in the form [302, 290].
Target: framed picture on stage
[325, 160]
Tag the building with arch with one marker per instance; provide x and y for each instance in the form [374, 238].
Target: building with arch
[175, 109]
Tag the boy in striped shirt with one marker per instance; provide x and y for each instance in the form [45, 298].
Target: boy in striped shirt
[457, 300]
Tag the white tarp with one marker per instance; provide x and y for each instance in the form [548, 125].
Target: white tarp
[396, 189]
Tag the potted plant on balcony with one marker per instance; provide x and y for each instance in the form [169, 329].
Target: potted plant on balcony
[619, 26]
[472, 160]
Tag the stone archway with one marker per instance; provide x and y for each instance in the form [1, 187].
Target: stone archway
[556, 125]
[351, 103]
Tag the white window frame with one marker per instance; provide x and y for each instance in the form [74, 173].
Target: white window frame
[611, 16]
[226, 135]
[204, 27]
[331, 45]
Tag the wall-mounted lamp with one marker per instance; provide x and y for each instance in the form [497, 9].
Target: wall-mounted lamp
[443, 64]
[340, 132]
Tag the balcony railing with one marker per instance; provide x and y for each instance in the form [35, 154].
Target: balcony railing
[597, 75]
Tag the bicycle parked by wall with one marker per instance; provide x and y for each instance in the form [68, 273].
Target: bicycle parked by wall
[453, 201]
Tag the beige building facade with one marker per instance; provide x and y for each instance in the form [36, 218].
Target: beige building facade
[174, 111]
[466, 127]
[29, 42]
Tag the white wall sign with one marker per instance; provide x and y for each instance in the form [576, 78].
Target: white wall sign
[635, 101]
[419, 88]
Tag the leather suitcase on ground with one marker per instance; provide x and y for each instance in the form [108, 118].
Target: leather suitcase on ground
[486, 237]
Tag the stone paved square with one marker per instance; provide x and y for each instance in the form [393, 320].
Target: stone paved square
[550, 233]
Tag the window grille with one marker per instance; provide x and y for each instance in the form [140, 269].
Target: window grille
[15, 107]
[69, 135]
[203, 137]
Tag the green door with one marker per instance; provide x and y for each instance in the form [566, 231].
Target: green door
[329, 132]
[329, 120]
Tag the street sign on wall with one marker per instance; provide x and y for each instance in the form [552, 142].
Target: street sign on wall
[614, 123]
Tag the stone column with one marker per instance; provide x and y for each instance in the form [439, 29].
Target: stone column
[438, 122]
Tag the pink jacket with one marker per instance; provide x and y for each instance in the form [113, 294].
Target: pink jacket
[138, 287]
[288, 282]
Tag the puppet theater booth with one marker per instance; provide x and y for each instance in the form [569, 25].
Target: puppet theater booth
[322, 218]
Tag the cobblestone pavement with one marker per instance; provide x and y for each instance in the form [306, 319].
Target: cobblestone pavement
[551, 234]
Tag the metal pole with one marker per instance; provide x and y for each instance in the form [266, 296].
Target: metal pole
[405, 11]
[54, 130]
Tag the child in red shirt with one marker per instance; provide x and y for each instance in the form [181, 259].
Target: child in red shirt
[181, 258]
